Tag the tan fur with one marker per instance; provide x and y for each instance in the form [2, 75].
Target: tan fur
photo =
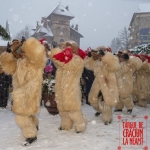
[27, 125]
[142, 84]
[67, 91]
[125, 80]
[106, 112]
[105, 80]
[27, 84]
[100, 48]
[52, 53]
[8, 62]
[89, 63]
[15, 46]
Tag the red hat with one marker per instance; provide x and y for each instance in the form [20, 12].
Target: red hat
[109, 49]
[43, 41]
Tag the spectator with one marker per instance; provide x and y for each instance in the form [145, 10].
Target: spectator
[4, 88]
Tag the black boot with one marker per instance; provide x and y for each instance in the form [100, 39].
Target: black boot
[97, 114]
[117, 110]
[29, 141]
[60, 128]
[129, 111]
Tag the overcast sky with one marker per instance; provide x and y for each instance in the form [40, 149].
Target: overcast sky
[99, 20]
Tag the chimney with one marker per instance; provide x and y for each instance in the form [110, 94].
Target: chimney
[67, 7]
[44, 21]
[37, 25]
[76, 28]
[72, 26]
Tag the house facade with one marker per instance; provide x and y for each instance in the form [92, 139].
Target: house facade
[139, 29]
[56, 27]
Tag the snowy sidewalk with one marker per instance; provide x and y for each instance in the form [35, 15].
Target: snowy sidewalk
[96, 137]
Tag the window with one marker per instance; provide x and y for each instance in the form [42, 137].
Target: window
[61, 40]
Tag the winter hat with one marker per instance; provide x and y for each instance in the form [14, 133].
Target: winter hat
[43, 41]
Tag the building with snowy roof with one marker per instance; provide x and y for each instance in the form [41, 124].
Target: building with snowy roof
[56, 27]
[140, 26]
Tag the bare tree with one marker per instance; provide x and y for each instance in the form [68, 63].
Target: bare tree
[121, 42]
[26, 32]
[115, 45]
[124, 38]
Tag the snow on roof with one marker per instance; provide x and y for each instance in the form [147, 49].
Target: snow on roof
[61, 10]
[47, 31]
[3, 43]
[76, 32]
[145, 7]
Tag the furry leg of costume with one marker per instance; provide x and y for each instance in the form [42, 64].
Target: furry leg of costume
[134, 98]
[28, 125]
[106, 112]
[127, 102]
[142, 100]
[79, 120]
[66, 122]
[35, 121]
[96, 107]
[119, 105]
[93, 96]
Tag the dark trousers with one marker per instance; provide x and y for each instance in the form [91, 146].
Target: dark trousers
[3, 98]
[88, 88]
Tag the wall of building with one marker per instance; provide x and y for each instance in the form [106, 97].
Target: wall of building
[141, 21]
[60, 26]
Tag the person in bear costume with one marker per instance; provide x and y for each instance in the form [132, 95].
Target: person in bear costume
[104, 91]
[141, 89]
[68, 59]
[27, 78]
[128, 66]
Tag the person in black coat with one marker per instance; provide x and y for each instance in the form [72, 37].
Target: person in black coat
[4, 88]
[88, 77]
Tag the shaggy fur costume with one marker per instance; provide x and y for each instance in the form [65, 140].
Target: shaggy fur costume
[141, 85]
[125, 81]
[67, 91]
[27, 84]
[106, 82]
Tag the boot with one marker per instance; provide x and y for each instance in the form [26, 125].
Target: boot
[97, 114]
[129, 111]
[29, 141]
[117, 110]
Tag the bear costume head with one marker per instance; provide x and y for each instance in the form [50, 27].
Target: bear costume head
[33, 50]
[123, 55]
[70, 43]
[15, 47]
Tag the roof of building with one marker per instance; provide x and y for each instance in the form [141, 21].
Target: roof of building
[46, 31]
[143, 9]
[61, 10]
[81, 36]
[135, 14]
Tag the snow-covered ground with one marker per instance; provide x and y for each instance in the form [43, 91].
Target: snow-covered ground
[96, 137]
